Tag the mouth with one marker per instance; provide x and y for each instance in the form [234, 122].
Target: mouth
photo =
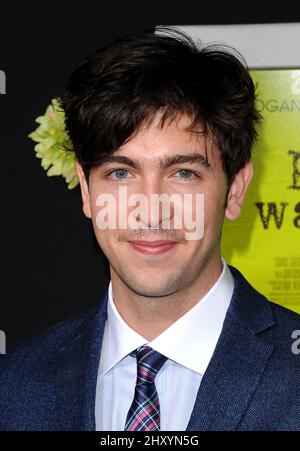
[153, 247]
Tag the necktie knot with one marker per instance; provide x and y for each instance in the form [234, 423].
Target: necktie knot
[149, 362]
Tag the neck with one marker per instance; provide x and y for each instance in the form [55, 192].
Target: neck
[149, 317]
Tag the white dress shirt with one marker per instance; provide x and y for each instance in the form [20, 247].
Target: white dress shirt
[188, 343]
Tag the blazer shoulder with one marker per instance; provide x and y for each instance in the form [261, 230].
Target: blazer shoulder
[285, 317]
[258, 302]
[286, 336]
[41, 347]
[31, 372]
[263, 316]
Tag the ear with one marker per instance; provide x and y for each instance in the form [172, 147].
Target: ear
[238, 191]
[84, 191]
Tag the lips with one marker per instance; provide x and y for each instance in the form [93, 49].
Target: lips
[153, 247]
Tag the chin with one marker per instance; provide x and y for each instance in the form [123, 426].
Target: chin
[152, 293]
[144, 287]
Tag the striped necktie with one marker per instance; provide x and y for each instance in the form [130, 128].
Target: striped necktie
[144, 412]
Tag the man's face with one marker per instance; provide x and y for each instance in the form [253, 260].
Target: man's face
[164, 270]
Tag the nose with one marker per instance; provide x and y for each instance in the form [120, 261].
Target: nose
[159, 210]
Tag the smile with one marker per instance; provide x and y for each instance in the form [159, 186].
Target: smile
[153, 247]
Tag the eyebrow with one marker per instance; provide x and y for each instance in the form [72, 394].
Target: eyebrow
[164, 163]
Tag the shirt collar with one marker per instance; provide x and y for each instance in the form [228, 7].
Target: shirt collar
[190, 341]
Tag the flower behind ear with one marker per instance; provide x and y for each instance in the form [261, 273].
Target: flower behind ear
[54, 146]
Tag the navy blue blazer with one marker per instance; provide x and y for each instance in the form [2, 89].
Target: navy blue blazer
[252, 381]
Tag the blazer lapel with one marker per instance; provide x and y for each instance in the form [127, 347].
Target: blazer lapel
[238, 362]
[76, 376]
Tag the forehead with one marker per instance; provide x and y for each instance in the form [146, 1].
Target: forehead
[152, 141]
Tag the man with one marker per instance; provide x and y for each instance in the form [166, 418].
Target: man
[181, 341]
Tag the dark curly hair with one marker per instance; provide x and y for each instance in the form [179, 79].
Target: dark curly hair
[112, 92]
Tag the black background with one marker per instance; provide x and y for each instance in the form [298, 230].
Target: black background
[51, 265]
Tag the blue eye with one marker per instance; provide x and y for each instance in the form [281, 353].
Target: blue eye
[187, 174]
[120, 173]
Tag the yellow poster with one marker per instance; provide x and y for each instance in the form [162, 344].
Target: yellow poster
[264, 243]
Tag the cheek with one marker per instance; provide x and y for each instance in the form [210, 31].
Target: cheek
[213, 208]
[107, 242]
[102, 235]
[107, 237]
[107, 204]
